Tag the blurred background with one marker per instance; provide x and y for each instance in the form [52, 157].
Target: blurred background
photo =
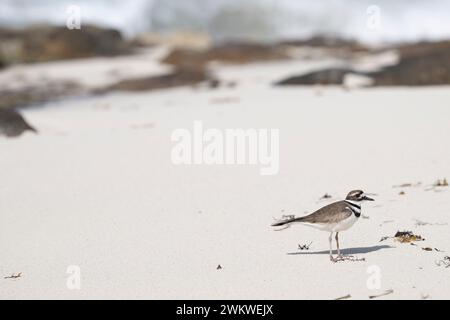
[172, 43]
[258, 20]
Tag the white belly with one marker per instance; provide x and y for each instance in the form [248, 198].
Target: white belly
[335, 227]
[345, 224]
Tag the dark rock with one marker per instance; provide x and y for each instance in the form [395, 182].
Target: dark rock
[180, 77]
[420, 64]
[47, 43]
[12, 124]
[333, 76]
[232, 53]
[329, 43]
[36, 94]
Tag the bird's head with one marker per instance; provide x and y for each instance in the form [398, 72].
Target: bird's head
[358, 195]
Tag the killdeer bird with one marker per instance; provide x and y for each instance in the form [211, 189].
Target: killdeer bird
[335, 217]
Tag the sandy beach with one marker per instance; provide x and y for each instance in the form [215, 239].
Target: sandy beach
[96, 189]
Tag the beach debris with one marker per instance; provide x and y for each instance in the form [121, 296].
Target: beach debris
[214, 83]
[427, 249]
[424, 296]
[349, 258]
[402, 193]
[219, 267]
[404, 237]
[304, 246]
[325, 196]
[344, 297]
[14, 276]
[407, 237]
[437, 185]
[441, 183]
[390, 291]
[444, 262]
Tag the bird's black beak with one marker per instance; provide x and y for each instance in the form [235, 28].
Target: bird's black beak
[367, 198]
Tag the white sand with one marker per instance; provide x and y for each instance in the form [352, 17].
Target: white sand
[97, 189]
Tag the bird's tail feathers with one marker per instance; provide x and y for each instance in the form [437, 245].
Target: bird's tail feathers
[286, 223]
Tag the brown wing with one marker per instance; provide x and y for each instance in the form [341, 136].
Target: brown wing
[331, 213]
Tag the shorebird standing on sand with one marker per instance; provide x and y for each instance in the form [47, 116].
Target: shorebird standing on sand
[335, 217]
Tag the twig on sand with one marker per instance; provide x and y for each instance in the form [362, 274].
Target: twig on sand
[14, 276]
[304, 246]
[444, 262]
[382, 294]
[344, 297]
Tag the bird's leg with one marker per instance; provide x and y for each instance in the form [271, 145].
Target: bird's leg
[337, 244]
[330, 240]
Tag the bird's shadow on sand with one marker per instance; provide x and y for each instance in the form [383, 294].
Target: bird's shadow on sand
[348, 251]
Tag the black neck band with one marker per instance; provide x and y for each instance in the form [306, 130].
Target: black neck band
[353, 204]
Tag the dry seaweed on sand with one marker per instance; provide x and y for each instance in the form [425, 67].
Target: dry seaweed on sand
[407, 236]
[404, 237]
